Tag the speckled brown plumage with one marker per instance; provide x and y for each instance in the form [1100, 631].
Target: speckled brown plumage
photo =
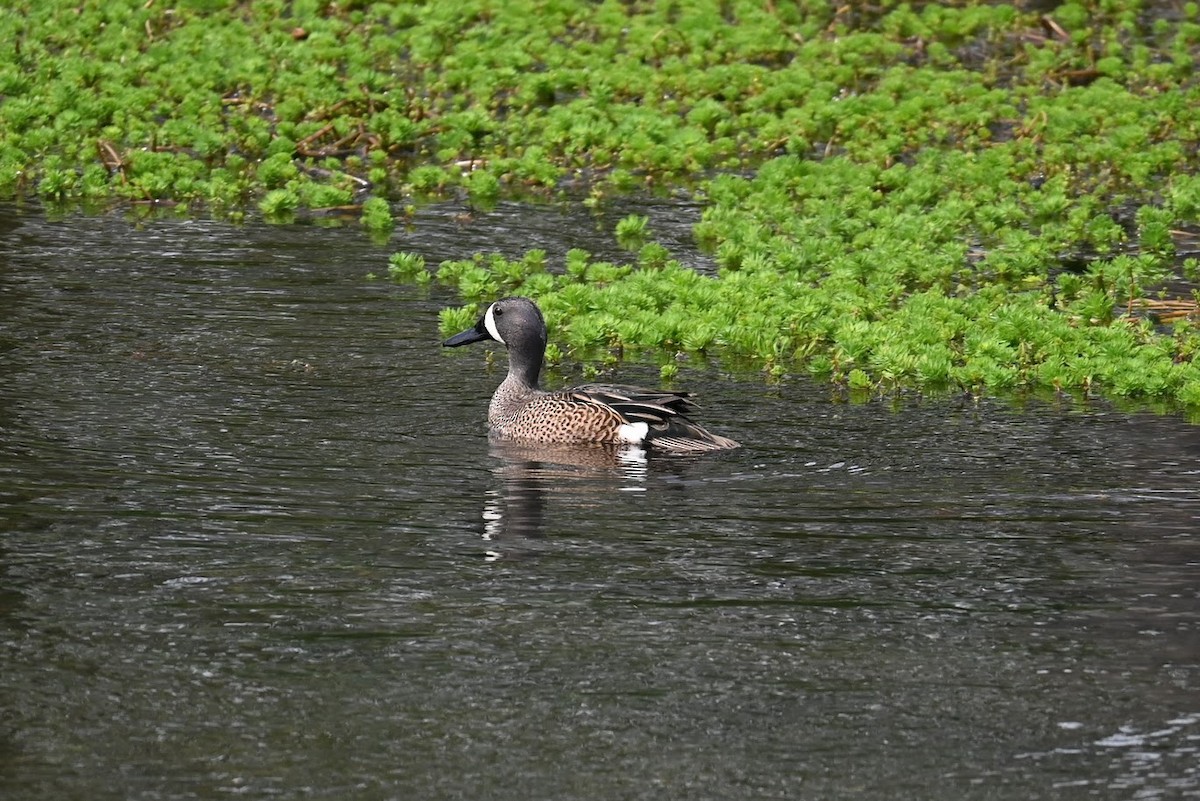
[590, 414]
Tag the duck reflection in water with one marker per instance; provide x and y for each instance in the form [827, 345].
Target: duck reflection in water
[514, 512]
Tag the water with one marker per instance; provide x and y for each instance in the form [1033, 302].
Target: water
[254, 543]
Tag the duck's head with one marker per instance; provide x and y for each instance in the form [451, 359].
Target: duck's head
[517, 324]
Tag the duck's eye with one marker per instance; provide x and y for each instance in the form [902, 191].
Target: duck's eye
[497, 310]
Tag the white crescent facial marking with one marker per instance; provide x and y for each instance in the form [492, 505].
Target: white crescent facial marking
[633, 432]
[489, 322]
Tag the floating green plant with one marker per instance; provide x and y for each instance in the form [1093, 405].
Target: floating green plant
[408, 268]
[967, 195]
[866, 335]
[377, 215]
[279, 205]
[631, 231]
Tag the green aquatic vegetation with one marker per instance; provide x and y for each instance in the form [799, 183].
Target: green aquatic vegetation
[279, 205]
[453, 320]
[631, 231]
[407, 267]
[322, 196]
[972, 194]
[482, 187]
[430, 180]
[377, 215]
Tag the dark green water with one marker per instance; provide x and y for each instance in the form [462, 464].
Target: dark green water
[254, 543]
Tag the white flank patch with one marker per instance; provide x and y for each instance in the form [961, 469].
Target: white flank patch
[633, 432]
[489, 322]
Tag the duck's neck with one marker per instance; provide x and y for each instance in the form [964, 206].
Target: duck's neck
[525, 354]
[524, 366]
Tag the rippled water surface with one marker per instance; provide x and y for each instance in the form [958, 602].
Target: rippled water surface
[254, 543]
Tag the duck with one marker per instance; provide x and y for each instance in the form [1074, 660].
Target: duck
[591, 414]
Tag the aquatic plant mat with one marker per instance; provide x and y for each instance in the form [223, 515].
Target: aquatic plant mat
[965, 195]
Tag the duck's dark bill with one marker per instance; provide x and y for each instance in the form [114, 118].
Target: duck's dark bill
[476, 334]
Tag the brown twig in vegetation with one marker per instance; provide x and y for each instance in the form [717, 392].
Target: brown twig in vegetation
[1055, 29]
[1166, 311]
[111, 158]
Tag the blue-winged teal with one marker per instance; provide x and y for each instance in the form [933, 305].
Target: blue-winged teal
[592, 413]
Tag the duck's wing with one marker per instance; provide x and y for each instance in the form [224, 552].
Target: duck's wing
[663, 413]
[645, 403]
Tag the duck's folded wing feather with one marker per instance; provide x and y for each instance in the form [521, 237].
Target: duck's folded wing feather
[626, 398]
